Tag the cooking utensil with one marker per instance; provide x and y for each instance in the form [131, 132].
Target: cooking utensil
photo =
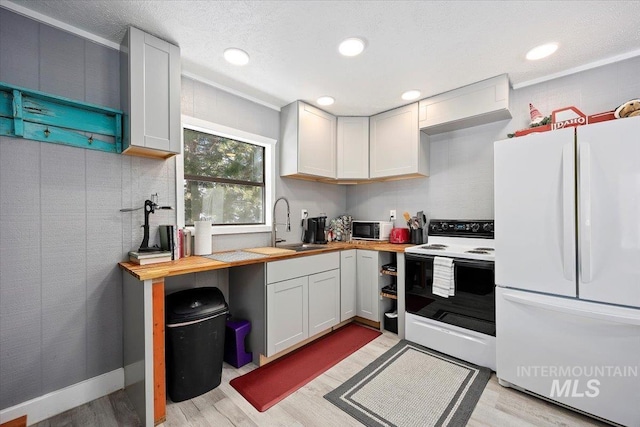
[407, 218]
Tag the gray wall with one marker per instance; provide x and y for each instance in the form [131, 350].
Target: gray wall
[460, 184]
[61, 231]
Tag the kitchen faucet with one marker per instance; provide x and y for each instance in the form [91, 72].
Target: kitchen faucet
[274, 240]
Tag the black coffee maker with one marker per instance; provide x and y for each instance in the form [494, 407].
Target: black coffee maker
[313, 230]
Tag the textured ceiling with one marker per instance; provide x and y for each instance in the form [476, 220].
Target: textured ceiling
[432, 46]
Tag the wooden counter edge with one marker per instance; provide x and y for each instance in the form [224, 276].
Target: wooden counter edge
[197, 264]
[18, 422]
[159, 377]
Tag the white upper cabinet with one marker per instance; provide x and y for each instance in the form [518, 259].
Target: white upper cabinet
[150, 91]
[308, 137]
[476, 104]
[353, 147]
[395, 144]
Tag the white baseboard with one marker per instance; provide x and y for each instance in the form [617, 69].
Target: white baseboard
[58, 401]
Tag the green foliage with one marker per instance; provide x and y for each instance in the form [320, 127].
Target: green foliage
[542, 122]
[218, 157]
[545, 121]
[211, 156]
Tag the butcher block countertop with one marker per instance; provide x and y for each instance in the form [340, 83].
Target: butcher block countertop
[196, 264]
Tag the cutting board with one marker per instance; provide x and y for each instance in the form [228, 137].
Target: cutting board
[270, 251]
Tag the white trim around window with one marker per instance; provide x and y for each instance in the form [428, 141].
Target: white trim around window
[239, 135]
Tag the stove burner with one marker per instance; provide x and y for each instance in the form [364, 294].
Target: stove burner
[476, 251]
[483, 249]
[436, 246]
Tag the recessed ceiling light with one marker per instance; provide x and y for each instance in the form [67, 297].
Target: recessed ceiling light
[325, 100]
[236, 56]
[351, 47]
[410, 95]
[542, 51]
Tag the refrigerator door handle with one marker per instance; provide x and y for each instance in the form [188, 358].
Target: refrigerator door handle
[584, 195]
[569, 310]
[568, 213]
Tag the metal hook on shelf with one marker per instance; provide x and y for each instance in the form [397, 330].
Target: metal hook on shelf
[91, 139]
[47, 132]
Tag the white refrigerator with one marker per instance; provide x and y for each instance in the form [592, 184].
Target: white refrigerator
[567, 268]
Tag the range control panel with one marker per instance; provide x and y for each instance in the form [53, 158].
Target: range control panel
[482, 228]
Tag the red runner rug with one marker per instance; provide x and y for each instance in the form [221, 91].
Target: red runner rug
[269, 384]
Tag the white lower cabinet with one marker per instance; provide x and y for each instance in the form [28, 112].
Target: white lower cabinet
[348, 279]
[367, 303]
[289, 301]
[287, 314]
[303, 299]
[324, 301]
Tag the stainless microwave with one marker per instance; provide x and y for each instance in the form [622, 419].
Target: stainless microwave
[371, 230]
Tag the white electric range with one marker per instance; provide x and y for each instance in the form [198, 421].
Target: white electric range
[460, 323]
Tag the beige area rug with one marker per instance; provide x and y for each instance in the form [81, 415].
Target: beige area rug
[411, 385]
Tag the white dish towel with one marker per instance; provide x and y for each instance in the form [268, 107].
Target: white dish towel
[443, 283]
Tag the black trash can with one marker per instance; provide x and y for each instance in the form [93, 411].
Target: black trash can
[194, 341]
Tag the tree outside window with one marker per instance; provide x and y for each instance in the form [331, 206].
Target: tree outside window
[224, 180]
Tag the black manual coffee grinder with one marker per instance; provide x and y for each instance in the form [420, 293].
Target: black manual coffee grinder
[149, 207]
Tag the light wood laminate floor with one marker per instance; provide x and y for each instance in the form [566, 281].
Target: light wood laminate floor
[498, 406]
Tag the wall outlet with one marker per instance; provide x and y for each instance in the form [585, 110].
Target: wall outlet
[392, 215]
[303, 213]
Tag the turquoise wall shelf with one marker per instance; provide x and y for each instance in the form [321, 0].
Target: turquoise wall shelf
[38, 116]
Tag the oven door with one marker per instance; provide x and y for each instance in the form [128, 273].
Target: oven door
[473, 305]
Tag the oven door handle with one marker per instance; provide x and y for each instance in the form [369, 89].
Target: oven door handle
[489, 265]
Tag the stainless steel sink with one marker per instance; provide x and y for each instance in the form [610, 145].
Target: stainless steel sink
[299, 247]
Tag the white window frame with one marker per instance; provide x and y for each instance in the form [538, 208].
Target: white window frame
[205, 126]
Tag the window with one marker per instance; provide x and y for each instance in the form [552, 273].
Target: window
[223, 179]
[226, 177]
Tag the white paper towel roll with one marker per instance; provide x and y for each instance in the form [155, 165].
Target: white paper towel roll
[202, 238]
